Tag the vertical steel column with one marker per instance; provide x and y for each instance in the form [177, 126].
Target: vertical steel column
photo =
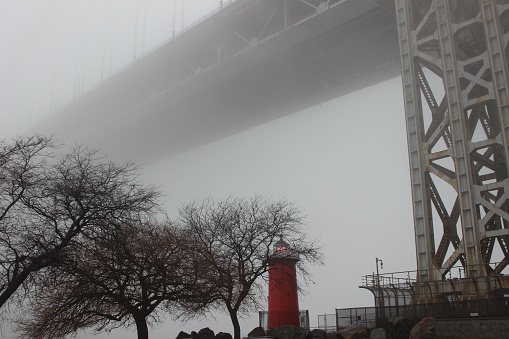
[464, 44]
[460, 147]
[423, 226]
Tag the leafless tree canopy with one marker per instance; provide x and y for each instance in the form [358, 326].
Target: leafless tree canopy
[80, 246]
[49, 203]
[123, 279]
[22, 168]
[236, 237]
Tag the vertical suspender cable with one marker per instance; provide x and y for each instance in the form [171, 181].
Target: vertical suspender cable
[31, 117]
[105, 38]
[174, 18]
[144, 27]
[112, 41]
[182, 19]
[136, 28]
[39, 90]
[54, 88]
[33, 90]
[77, 70]
[84, 63]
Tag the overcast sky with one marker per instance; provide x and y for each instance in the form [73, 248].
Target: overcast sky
[353, 186]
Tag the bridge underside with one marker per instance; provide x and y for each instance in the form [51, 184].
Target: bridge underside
[252, 62]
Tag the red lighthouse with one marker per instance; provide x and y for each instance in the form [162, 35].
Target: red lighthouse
[283, 296]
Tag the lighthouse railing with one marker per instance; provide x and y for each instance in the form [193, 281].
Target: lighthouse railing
[264, 318]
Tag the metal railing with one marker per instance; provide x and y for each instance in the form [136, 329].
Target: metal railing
[409, 277]
[410, 295]
[327, 322]
[389, 279]
[373, 317]
[359, 316]
[494, 307]
[281, 315]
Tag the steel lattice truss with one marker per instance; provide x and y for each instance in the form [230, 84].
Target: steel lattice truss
[457, 132]
[226, 39]
[248, 63]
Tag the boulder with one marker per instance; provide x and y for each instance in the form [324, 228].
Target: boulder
[257, 332]
[194, 335]
[353, 332]
[424, 329]
[183, 335]
[399, 327]
[206, 333]
[288, 332]
[316, 334]
[378, 333]
[223, 335]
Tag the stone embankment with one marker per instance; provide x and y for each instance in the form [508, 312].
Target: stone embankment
[283, 332]
[427, 328]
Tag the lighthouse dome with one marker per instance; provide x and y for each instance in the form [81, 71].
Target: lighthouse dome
[283, 250]
[281, 245]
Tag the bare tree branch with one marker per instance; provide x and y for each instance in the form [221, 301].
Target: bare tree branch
[123, 279]
[49, 203]
[236, 238]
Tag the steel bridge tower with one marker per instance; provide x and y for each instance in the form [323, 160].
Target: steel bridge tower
[454, 56]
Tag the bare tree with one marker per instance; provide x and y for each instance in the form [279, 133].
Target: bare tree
[236, 238]
[22, 169]
[49, 204]
[120, 280]
[21, 162]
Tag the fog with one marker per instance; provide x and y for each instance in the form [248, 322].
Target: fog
[343, 162]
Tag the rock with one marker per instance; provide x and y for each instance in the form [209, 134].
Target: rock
[378, 333]
[424, 329]
[353, 332]
[223, 335]
[194, 335]
[399, 327]
[288, 332]
[183, 335]
[206, 333]
[257, 332]
[396, 320]
[316, 334]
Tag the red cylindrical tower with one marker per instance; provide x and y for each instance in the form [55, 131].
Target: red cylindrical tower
[283, 296]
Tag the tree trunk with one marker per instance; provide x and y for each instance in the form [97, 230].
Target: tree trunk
[141, 326]
[13, 285]
[235, 323]
[37, 263]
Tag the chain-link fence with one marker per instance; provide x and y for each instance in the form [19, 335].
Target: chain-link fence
[360, 316]
[373, 317]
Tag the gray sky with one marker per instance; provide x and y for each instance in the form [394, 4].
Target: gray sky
[354, 187]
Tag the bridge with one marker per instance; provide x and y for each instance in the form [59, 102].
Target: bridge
[251, 62]
[255, 60]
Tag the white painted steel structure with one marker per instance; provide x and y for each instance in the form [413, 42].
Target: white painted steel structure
[455, 78]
